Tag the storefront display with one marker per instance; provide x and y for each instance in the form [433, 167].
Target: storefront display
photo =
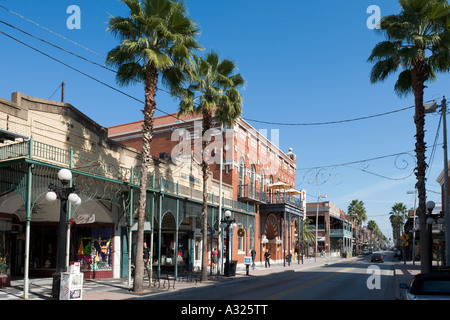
[5, 256]
[93, 248]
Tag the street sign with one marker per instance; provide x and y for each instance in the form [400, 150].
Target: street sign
[405, 237]
[405, 243]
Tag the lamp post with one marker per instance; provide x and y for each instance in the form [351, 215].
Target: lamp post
[431, 218]
[319, 196]
[226, 224]
[414, 226]
[430, 206]
[63, 193]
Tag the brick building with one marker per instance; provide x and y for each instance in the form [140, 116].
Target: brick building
[251, 164]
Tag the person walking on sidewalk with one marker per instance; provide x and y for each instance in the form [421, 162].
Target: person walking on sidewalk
[215, 256]
[267, 256]
[253, 253]
[146, 257]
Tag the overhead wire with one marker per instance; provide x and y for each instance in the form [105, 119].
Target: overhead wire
[171, 114]
[160, 89]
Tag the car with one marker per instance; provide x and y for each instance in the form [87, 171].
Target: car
[428, 286]
[365, 251]
[377, 257]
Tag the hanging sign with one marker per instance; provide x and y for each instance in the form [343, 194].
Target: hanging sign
[241, 232]
[85, 218]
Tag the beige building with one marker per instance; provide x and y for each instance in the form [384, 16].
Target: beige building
[39, 137]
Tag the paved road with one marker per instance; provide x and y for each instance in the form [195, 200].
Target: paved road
[348, 280]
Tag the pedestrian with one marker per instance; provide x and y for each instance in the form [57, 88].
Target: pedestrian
[146, 257]
[267, 256]
[253, 253]
[215, 255]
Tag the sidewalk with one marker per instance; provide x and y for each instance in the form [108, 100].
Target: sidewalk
[117, 289]
[404, 273]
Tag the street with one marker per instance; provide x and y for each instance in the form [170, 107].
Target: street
[357, 279]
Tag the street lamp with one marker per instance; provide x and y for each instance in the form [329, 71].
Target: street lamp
[414, 226]
[430, 206]
[64, 193]
[226, 224]
[319, 196]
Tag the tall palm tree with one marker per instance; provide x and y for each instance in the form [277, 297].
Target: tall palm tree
[212, 89]
[397, 218]
[418, 42]
[357, 213]
[156, 37]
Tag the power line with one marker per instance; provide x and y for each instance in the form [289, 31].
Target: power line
[35, 23]
[246, 119]
[329, 122]
[85, 74]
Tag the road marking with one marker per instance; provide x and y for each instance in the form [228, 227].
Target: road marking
[306, 285]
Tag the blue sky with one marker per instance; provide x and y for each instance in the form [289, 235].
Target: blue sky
[302, 62]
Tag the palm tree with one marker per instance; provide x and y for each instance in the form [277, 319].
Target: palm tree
[156, 37]
[309, 232]
[212, 88]
[418, 42]
[357, 213]
[397, 218]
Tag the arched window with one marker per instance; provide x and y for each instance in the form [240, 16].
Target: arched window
[241, 176]
[263, 181]
[252, 181]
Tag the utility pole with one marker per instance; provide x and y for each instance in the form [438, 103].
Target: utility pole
[62, 91]
[446, 190]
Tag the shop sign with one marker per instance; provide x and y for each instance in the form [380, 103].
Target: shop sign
[241, 232]
[85, 218]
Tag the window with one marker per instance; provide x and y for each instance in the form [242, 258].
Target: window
[43, 247]
[252, 181]
[93, 247]
[240, 239]
[241, 176]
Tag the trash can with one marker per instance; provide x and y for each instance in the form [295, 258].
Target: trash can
[232, 271]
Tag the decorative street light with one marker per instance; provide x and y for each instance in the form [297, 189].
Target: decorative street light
[64, 193]
[226, 224]
[432, 218]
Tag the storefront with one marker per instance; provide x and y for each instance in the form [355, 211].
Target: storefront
[93, 248]
[5, 250]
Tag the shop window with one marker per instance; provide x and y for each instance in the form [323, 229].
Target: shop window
[5, 247]
[43, 244]
[93, 248]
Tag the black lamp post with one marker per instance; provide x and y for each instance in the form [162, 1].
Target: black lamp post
[63, 193]
[226, 224]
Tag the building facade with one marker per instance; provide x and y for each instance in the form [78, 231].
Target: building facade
[38, 138]
[251, 164]
[334, 230]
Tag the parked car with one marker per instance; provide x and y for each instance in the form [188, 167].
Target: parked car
[365, 251]
[428, 286]
[377, 257]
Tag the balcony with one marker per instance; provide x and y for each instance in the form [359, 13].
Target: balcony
[248, 193]
[282, 197]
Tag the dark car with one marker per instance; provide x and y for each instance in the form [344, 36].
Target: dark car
[377, 257]
[428, 286]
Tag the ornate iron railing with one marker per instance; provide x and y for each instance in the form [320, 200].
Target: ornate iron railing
[96, 166]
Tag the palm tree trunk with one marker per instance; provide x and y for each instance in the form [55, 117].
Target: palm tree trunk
[207, 121]
[419, 77]
[147, 134]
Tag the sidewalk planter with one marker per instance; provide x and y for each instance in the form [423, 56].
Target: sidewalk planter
[5, 281]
